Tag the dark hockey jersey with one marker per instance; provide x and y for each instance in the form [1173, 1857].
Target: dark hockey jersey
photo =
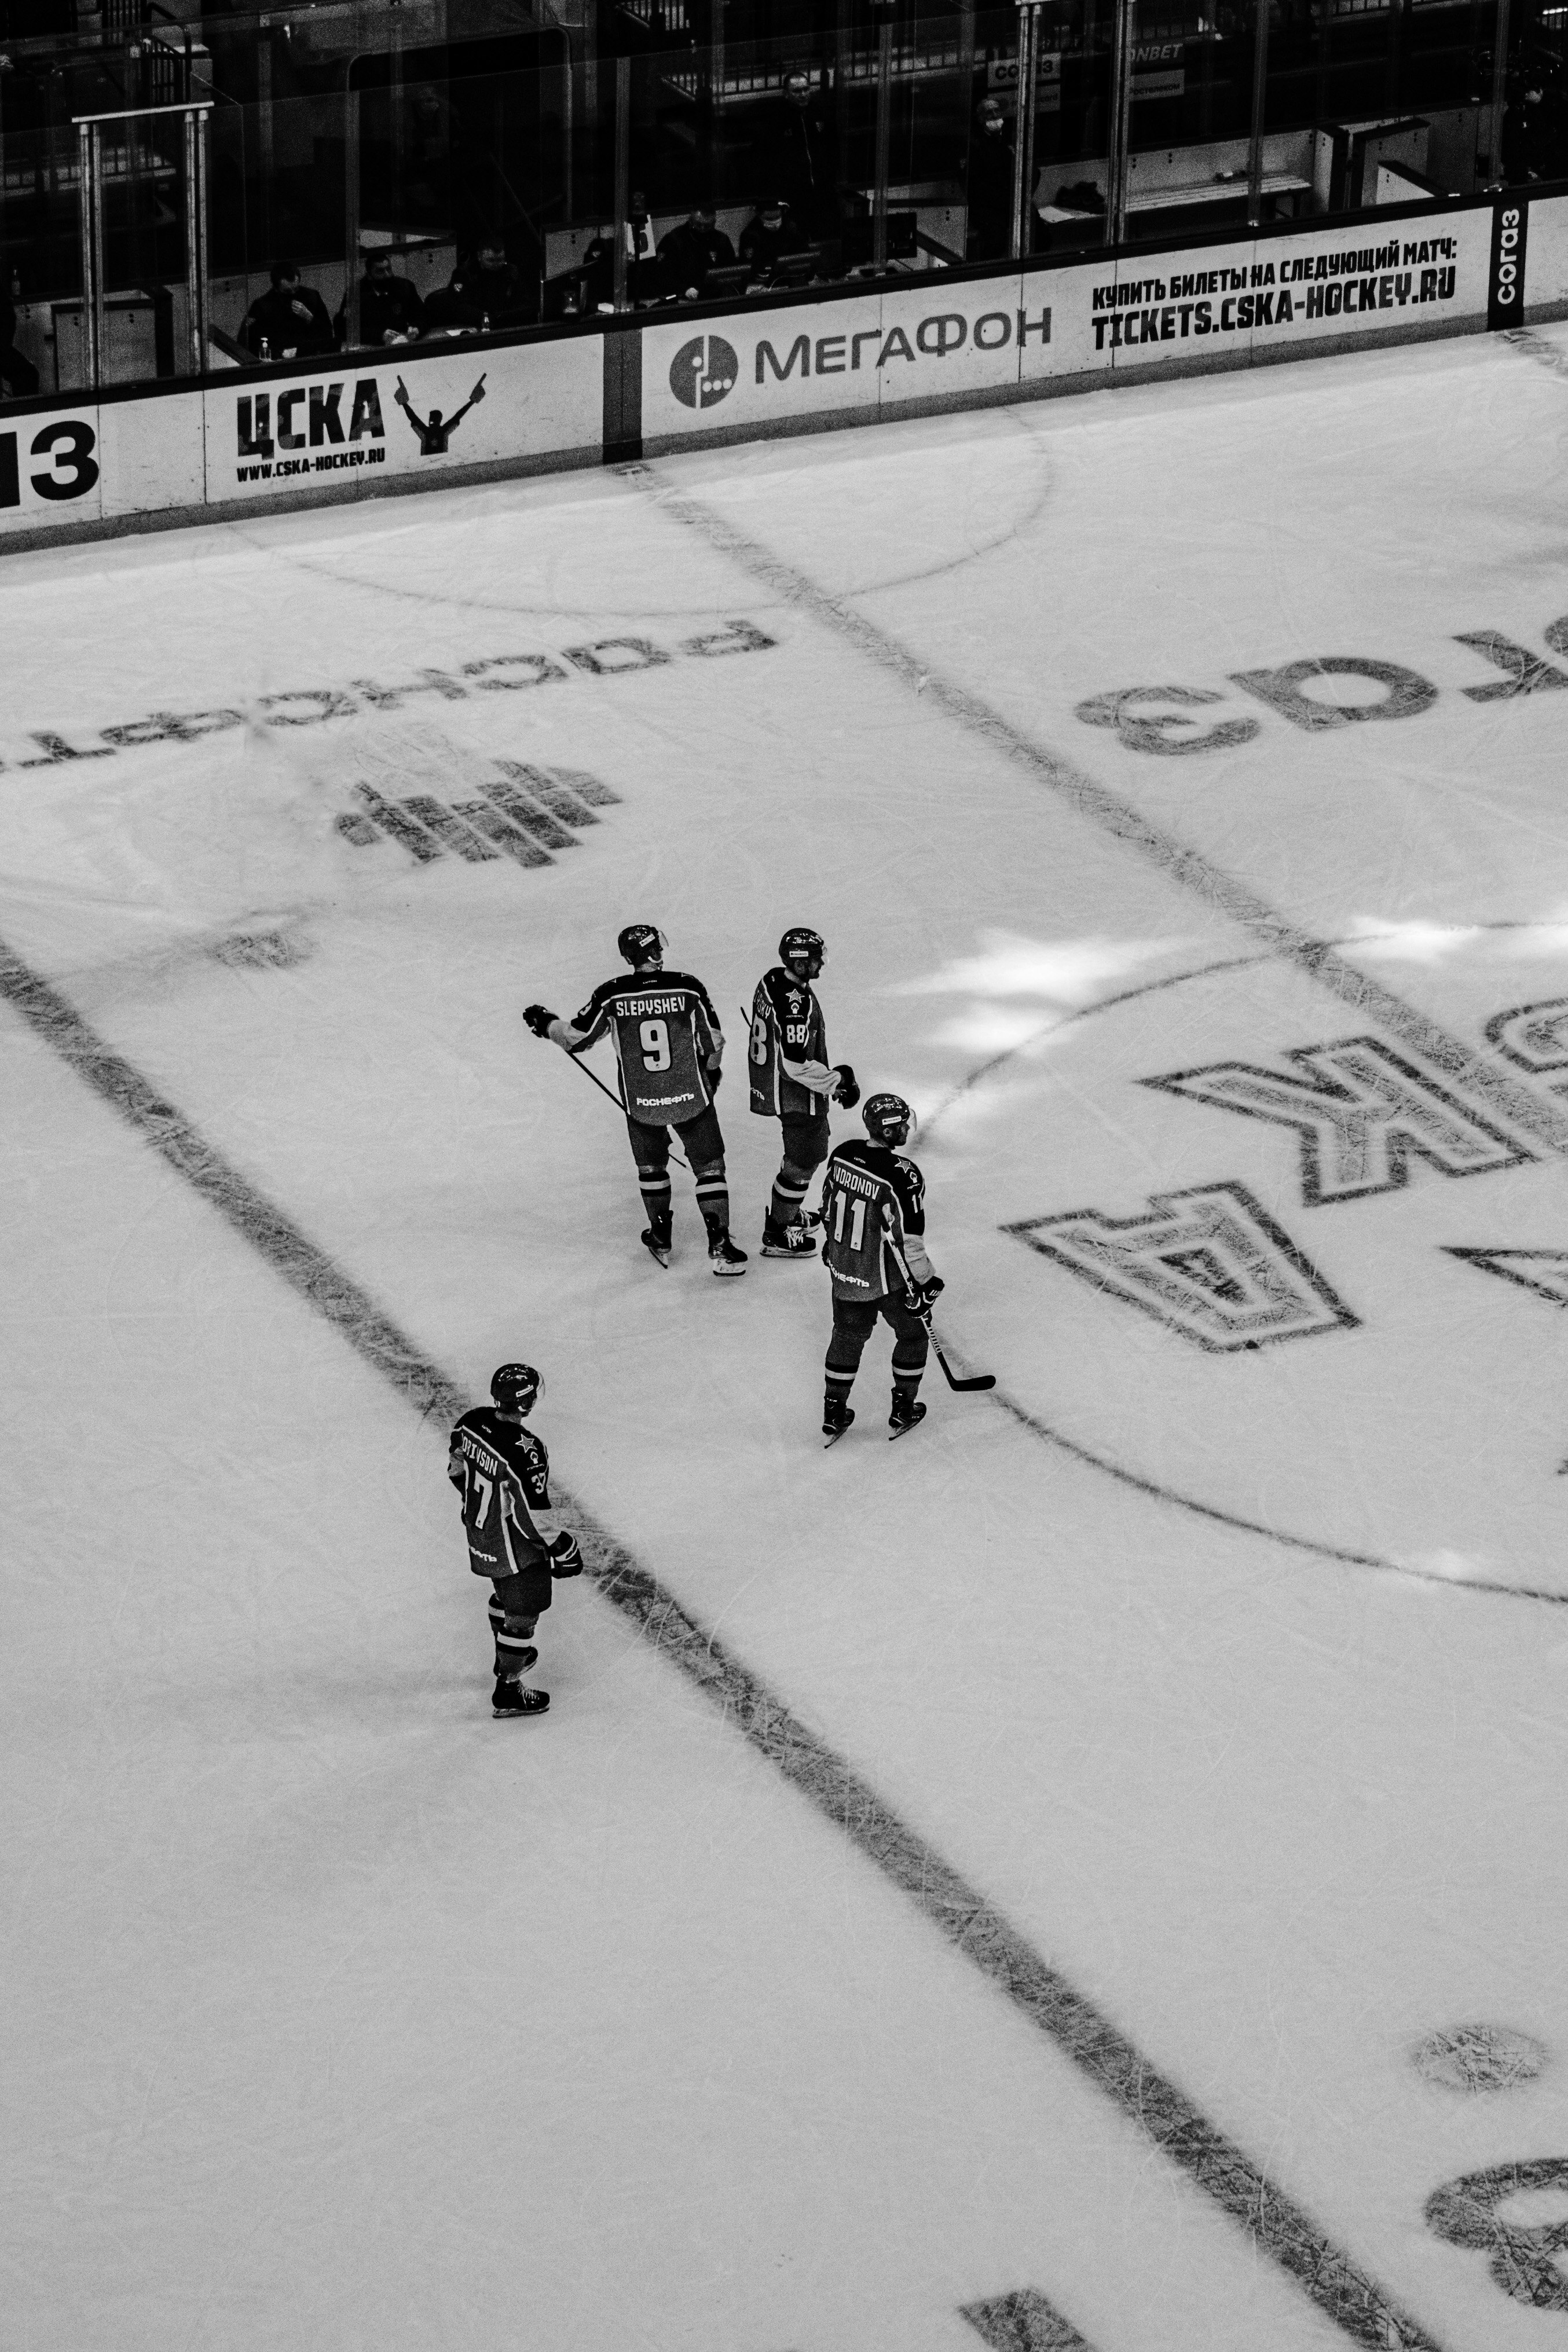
[873, 1204]
[666, 1039]
[786, 1026]
[503, 1473]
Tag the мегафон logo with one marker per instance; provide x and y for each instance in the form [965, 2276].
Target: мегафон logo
[704, 372]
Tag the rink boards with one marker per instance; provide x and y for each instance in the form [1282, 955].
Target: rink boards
[609, 391]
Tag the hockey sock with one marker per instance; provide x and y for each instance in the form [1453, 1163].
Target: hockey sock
[907, 1378]
[839, 1385]
[789, 1191]
[510, 1636]
[655, 1193]
[713, 1199]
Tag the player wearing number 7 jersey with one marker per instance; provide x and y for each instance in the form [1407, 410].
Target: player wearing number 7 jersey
[501, 1471]
[873, 1245]
[669, 1050]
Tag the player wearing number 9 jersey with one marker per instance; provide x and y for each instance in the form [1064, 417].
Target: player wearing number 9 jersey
[669, 1050]
[873, 1228]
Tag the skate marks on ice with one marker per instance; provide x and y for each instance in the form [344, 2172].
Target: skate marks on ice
[1479, 2058]
[1024, 2322]
[1107, 810]
[1524, 1121]
[1216, 1313]
[1006, 428]
[1344, 2292]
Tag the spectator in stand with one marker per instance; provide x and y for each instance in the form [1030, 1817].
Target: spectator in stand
[505, 297]
[289, 321]
[645, 280]
[771, 232]
[390, 310]
[688, 252]
[18, 377]
[991, 166]
[452, 310]
[794, 151]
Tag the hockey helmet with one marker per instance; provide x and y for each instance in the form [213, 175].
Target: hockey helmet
[888, 1119]
[642, 943]
[516, 1388]
[803, 953]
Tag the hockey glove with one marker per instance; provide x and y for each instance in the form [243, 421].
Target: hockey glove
[565, 1555]
[715, 1076]
[923, 1295]
[847, 1094]
[539, 1018]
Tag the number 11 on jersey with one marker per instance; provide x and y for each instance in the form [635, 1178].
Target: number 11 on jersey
[856, 1220]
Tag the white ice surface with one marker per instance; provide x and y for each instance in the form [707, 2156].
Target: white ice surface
[338, 2015]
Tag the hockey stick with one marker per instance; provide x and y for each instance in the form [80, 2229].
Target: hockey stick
[981, 1379]
[620, 1106]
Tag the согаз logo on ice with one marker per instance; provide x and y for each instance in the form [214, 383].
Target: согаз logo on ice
[704, 372]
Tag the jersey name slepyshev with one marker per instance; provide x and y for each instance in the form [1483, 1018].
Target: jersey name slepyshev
[786, 1026]
[664, 1036]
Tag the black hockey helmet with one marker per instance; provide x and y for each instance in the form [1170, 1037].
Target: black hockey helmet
[642, 943]
[803, 953]
[888, 1119]
[516, 1388]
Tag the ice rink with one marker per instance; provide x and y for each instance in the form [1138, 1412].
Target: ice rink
[1092, 1875]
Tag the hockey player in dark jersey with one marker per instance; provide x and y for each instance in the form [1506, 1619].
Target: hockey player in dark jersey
[793, 1082]
[873, 1245]
[668, 1049]
[503, 1473]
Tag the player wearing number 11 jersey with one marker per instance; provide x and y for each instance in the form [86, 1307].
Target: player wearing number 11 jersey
[668, 1049]
[873, 1245]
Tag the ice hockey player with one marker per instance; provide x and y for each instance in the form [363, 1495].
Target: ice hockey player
[503, 1473]
[793, 1082]
[669, 1048]
[873, 1245]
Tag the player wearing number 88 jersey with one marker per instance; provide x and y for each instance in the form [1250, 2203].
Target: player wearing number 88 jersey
[668, 1050]
[873, 1226]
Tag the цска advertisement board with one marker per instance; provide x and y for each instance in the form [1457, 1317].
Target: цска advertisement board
[247, 439]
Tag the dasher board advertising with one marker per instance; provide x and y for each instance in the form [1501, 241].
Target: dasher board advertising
[368, 415]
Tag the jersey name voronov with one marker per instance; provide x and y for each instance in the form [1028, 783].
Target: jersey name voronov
[871, 1202]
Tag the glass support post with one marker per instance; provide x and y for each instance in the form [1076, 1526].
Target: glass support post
[1121, 47]
[90, 227]
[623, 171]
[1260, 95]
[196, 238]
[884, 14]
[1022, 242]
[350, 206]
[263, 146]
[1500, 88]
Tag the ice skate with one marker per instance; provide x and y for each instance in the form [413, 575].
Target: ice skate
[657, 1240]
[786, 1241]
[837, 1416]
[907, 1413]
[725, 1257]
[512, 1698]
